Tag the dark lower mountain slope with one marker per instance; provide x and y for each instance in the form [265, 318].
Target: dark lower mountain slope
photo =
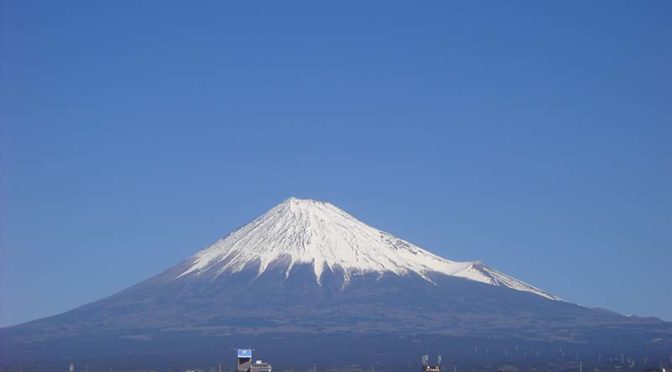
[164, 318]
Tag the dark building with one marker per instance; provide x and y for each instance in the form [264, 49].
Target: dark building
[244, 361]
[426, 367]
[245, 364]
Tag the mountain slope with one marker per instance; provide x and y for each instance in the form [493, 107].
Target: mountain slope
[309, 284]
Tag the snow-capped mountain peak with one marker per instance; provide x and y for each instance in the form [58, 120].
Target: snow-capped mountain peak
[304, 231]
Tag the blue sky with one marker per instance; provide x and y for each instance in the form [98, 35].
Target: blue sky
[533, 136]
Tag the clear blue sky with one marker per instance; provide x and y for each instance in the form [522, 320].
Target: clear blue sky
[534, 136]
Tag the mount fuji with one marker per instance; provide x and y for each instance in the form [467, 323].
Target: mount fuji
[309, 284]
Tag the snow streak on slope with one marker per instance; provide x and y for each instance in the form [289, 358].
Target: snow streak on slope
[317, 233]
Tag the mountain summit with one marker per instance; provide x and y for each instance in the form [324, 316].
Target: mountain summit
[305, 231]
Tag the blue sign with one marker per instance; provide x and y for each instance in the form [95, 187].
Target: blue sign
[244, 353]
